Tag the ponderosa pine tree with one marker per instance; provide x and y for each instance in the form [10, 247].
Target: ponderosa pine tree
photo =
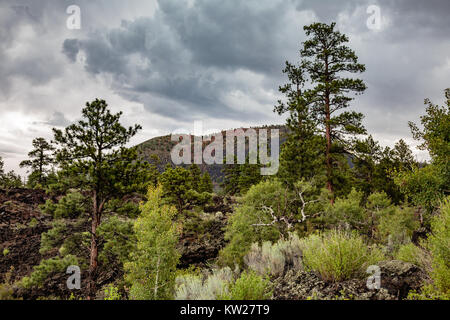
[325, 59]
[94, 151]
[301, 155]
[40, 159]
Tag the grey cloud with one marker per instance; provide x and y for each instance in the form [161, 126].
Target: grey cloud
[71, 48]
[8, 150]
[178, 62]
[58, 120]
[185, 55]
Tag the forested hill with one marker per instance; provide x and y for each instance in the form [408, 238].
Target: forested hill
[157, 151]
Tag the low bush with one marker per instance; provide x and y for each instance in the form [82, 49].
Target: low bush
[112, 293]
[275, 259]
[338, 255]
[194, 287]
[7, 287]
[413, 254]
[47, 267]
[249, 286]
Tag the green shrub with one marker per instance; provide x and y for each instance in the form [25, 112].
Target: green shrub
[112, 293]
[7, 287]
[439, 244]
[249, 286]
[72, 205]
[338, 255]
[244, 227]
[413, 254]
[129, 209]
[48, 208]
[33, 223]
[47, 267]
[397, 226]
[347, 212]
[119, 239]
[53, 237]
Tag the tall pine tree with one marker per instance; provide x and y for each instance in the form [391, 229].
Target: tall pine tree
[93, 150]
[325, 60]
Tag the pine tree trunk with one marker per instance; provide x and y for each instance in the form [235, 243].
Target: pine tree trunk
[328, 152]
[328, 134]
[93, 263]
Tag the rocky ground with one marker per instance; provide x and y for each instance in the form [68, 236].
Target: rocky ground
[397, 279]
[21, 225]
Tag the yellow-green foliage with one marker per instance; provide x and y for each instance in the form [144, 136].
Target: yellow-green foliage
[249, 286]
[151, 270]
[338, 255]
[413, 254]
[439, 244]
[112, 293]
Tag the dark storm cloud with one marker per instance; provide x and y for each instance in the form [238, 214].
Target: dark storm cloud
[187, 54]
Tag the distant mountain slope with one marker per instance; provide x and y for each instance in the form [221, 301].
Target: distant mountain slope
[162, 146]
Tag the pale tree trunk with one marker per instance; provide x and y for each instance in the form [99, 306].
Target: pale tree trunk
[157, 278]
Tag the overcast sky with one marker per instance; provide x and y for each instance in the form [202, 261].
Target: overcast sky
[169, 63]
